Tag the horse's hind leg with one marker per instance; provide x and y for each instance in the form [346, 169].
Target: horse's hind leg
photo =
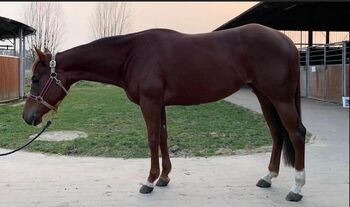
[277, 131]
[166, 164]
[292, 122]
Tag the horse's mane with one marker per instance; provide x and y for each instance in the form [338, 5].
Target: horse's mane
[35, 63]
[118, 37]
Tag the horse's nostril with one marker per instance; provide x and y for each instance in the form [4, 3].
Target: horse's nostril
[30, 119]
[33, 119]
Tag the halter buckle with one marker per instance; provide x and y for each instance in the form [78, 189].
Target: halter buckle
[52, 63]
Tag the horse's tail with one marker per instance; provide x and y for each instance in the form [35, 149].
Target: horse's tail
[288, 148]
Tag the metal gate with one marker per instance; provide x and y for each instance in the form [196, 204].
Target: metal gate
[324, 72]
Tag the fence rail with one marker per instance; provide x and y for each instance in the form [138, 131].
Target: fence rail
[325, 55]
[6, 47]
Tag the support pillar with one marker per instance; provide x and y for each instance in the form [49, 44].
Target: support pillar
[310, 38]
[21, 64]
[343, 60]
[307, 58]
[14, 46]
[327, 37]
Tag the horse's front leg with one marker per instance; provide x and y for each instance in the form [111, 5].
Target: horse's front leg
[151, 110]
[166, 164]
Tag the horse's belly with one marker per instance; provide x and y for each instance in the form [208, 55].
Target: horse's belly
[193, 100]
[201, 81]
[197, 93]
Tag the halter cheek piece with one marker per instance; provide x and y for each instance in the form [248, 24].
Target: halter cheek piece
[53, 78]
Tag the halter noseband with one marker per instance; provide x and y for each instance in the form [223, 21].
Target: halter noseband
[53, 77]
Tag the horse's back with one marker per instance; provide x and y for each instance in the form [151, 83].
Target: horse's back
[199, 68]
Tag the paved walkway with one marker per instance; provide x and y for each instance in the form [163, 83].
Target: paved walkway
[33, 179]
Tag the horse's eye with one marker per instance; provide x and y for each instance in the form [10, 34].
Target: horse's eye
[35, 79]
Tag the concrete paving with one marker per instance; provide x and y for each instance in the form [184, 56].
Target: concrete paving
[34, 179]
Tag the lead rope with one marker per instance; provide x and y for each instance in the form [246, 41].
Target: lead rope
[28, 143]
[48, 123]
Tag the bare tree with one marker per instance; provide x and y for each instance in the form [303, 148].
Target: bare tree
[47, 19]
[109, 19]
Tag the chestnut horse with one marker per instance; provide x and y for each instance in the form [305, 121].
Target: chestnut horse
[161, 67]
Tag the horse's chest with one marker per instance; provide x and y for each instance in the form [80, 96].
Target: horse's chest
[132, 97]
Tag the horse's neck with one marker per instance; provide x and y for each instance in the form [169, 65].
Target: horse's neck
[100, 61]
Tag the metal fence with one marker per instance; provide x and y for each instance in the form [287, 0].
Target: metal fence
[325, 71]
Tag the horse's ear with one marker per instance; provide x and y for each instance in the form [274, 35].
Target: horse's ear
[39, 54]
[47, 51]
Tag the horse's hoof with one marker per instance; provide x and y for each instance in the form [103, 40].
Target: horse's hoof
[293, 197]
[162, 182]
[146, 189]
[263, 184]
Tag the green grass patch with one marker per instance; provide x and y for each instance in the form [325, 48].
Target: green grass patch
[116, 127]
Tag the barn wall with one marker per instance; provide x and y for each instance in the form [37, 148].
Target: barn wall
[317, 82]
[325, 82]
[303, 71]
[9, 78]
[333, 77]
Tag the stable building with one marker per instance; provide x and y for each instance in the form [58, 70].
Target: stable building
[324, 67]
[12, 41]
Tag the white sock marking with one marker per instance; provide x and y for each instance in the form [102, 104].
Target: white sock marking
[269, 176]
[299, 182]
[149, 184]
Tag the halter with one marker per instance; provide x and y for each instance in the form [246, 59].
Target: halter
[53, 77]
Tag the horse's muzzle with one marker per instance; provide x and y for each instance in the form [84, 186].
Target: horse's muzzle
[33, 119]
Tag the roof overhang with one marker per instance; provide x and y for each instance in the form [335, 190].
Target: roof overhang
[296, 16]
[10, 28]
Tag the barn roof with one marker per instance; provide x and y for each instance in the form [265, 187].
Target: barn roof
[10, 28]
[297, 16]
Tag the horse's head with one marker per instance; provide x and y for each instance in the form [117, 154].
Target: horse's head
[48, 88]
